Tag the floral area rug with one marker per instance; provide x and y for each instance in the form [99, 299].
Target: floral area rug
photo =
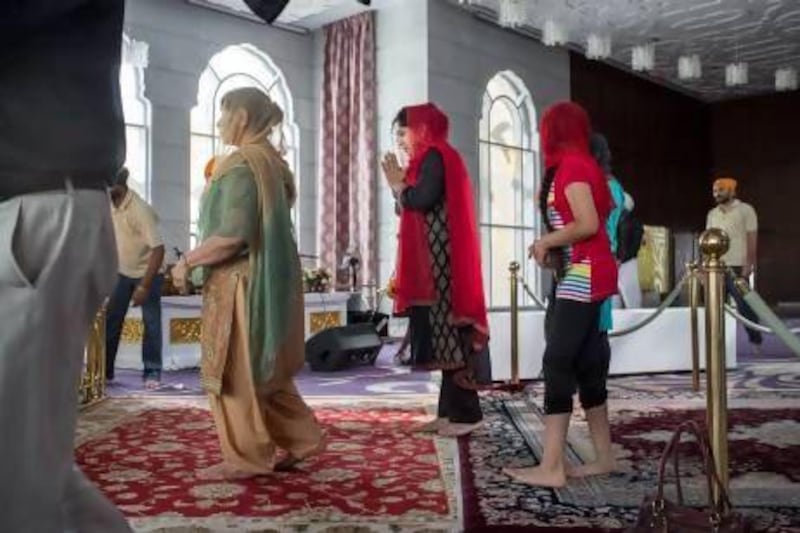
[373, 475]
[764, 463]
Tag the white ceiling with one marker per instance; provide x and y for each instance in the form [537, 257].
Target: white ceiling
[763, 33]
[301, 14]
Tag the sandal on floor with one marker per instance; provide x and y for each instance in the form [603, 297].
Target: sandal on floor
[288, 463]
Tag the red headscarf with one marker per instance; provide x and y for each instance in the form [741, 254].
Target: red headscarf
[565, 132]
[565, 129]
[414, 280]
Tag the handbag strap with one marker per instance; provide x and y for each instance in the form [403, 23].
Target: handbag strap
[712, 475]
[671, 450]
[710, 470]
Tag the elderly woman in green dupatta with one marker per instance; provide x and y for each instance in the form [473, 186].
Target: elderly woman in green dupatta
[252, 336]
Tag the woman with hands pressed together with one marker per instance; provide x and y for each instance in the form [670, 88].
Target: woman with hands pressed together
[438, 280]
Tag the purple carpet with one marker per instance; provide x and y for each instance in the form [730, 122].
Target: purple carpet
[771, 348]
[385, 378]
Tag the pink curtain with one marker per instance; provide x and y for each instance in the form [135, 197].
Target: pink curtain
[347, 175]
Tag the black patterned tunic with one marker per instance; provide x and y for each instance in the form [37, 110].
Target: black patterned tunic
[435, 342]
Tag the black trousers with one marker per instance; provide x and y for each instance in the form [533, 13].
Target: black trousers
[753, 335]
[457, 404]
[576, 357]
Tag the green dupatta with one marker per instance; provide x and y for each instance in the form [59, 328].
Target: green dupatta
[250, 197]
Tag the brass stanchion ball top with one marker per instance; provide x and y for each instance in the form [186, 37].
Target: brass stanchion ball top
[514, 266]
[714, 243]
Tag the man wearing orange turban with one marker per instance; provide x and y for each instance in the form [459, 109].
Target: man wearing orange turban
[725, 184]
[739, 220]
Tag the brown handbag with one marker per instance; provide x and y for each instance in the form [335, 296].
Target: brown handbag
[657, 514]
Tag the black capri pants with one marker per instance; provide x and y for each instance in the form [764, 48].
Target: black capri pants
[576, 356]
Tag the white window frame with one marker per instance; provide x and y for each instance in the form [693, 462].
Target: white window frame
[219, 77]
[527, 223]
[132, 70]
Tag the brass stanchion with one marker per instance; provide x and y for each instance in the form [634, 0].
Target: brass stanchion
[713, 244]
[694, 303]
[513, 269]
[93, 380]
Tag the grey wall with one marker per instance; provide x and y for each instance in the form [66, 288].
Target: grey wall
[426, 50]
[465, 53]
[182, 39]
[402, 78]
[432, 50]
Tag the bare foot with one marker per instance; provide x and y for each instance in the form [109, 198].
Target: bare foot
[432, 426]
[537, 476]
[598, 468]
[458, 430]
[223, 471]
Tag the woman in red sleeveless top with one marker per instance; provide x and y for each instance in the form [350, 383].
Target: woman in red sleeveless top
[575, 201]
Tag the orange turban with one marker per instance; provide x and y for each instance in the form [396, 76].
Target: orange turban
[728, 184]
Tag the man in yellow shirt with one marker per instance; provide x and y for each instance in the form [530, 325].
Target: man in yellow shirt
[739, 220]
[141, 254]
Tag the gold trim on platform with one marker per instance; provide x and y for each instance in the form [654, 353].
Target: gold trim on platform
[132, 331]
[184, 330]
[655, 260]
[321, 320]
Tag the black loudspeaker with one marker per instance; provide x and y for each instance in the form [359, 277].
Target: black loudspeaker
[342, 347]
[268, 10]
[380, 321]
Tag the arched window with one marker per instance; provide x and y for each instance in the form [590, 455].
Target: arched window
[509, 177]
[234, 67]
[136, 109]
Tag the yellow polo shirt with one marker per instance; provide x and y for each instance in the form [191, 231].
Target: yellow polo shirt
[136, 229]
[737, 221]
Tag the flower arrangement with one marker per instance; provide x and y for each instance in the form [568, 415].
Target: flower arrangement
[316, 280]
[391, 288]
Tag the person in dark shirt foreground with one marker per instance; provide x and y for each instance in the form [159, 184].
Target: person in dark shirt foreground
[62, 143]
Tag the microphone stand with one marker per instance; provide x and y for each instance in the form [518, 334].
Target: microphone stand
[353, 262]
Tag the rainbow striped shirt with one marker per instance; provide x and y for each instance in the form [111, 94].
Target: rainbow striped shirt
[576, 284]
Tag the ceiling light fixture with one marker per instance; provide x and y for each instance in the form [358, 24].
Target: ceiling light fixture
[512, 13]
[689, 67]
[553, 33]
[786, 79]
[736, 74]
[643, 57]
[598, 46]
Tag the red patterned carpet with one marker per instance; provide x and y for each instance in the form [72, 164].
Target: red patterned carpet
[144, 454]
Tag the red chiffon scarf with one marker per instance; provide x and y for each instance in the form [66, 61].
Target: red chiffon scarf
[414, 274]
